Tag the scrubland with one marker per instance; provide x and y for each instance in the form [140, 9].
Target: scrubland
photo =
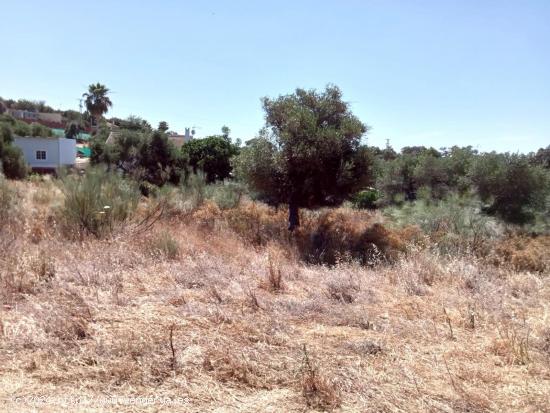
[225, 309]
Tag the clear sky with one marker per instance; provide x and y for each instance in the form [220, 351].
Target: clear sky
[432, 73]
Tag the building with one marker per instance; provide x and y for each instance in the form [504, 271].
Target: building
[179, 140]
[46, 154]
[51, 120]
[21, 114]
[51, 117]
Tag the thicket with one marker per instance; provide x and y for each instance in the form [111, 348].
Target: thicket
[96, 203]
[513, 187]
[12, 162]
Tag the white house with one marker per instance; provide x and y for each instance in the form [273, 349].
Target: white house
[47, 153]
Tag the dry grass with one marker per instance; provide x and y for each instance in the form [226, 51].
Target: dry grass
[225, 321]
[524, 253]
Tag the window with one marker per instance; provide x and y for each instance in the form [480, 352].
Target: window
[40, 155]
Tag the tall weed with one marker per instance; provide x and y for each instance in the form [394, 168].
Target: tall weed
[455, 224]
[96, 203]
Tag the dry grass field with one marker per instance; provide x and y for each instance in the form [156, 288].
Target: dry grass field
[207, 310]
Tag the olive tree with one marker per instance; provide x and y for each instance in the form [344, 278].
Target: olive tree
[512, 186]
[309, 154]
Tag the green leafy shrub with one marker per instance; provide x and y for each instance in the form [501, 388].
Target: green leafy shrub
[455, 224]
[13, 162]
[211, 155]
[366, 199]
[21, 129]
[514, 188]
[97, 203]
[185, 198]
[40, 130]
[226, 195]
[6, 133]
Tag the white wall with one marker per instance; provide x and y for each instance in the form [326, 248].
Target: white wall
[51, 117]
[67, 151]
[59, 151]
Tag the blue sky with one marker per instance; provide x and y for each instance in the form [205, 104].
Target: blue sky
[432, 73]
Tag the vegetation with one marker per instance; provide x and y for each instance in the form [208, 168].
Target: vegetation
[6, 201]
[96, 203]
[309, 154]
[97, 100]
[411, 254]
[12, 162]
[146, 157]
[211, 155]
[199, 302]
[25, 104]
[366, 199]
[514, 187]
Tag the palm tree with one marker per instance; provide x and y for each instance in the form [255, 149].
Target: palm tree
[96, 100]
[163, 126]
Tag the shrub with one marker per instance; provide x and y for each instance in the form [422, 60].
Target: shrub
[454, 224]
[6, 200]
[227, 195]
[524, 253]
[431, 173]
[164, 245]
[211, 155]
[6, 134]
[13, 162]
[97, 202]
[258, 224]
[366, 199]
[21, 129]
[40, 130]
[514, 188]
[184, 199]
[342, 235]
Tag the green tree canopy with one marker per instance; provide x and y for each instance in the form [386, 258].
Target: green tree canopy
[212, 155]
[513, 186]
[163, 126]
[309, 154]
[97, 100]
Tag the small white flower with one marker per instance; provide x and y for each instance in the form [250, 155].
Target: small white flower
[106, 207]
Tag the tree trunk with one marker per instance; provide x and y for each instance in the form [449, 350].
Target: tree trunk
[293, 215]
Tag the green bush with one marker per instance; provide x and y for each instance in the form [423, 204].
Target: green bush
[366, 199]
[227, 195]
[40, 130]
[185, 198]
[211, 155]
[97, 203]
[6, 134]
[455, 224]
[13, 163]
[21, 129]
[514, 188]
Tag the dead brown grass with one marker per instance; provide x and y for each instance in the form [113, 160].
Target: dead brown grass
[225, 321]
[524, 253]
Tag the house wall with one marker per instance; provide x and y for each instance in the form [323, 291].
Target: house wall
[51, 117]
[67, 151]
[59, 151]
[23, 114]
